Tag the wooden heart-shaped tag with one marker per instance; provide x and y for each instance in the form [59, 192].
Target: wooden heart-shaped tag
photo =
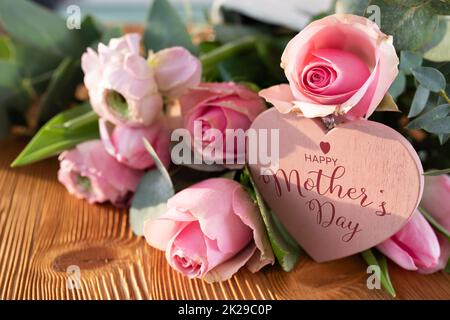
[341, 191]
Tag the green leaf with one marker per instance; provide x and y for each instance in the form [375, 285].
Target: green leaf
[439, 126]
[165, 29]
[53, 138]
[437, 172]
[409, 60]
[6, 48]
[399, 18]
[443, 138]
[9, 79]
[150, 199]
[428, 119]
[447, 267]
[110, 33]
[16, 94]
[441, 7]
[398, 86]
[91, 30]
[430, 78]
[436, 225]
[285, 248]
[32, 24]
[370, 259]
[439, 49]
[357, 7]
[60, 89]
[419, 101]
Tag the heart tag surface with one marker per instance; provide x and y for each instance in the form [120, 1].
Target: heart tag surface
[342, 191]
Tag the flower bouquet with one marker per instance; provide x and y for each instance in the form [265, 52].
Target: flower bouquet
[227, 160]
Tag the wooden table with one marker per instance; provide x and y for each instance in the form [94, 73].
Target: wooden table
[43, 231]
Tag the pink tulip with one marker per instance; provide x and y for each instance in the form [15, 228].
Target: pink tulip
[219, 106]
[89, 172]
[436, 201]
[211, 230]
[127, 146]
[414, 247]
[121, 84]
[176, 70]
[341, 64]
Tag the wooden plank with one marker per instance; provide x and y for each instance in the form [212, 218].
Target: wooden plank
[43, 231]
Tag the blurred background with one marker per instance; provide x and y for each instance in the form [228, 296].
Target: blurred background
[40, 73]
[28, 65]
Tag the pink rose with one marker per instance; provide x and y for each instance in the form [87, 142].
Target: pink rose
[436, 202]
[341, 64]
[211, 230]
[89, 172]
[219, 106]
[176, 70]
[127, 146]
[414, 247]
[121, 85]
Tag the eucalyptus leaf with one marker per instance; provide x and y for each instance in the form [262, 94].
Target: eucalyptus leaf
[438, 126]
[439, 49]
[430, 78]
[411, 25]
[409, 60]
[398, 86]
[285, 248]
[150, 199]
[371, 260]
[357, 7]
[164, 29]
[430, 117]
[441, 7]
[53, 138]
[419, 101]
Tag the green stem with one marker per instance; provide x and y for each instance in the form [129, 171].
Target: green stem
[370, 259]
[443, 94]
[222, 53]
[434, 223]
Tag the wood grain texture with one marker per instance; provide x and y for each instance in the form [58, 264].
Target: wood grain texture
[43, 230]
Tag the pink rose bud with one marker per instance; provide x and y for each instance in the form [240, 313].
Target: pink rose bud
[126, 144]
[89, 172]
[436, 202]
[121, 85]
[211, 230]
[414, 247]
[341, 64]
[219, 106]
[176, 70]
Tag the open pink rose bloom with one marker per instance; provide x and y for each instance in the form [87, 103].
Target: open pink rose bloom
[89, 172]
[211, 230]
[341, 64]
[122, 87]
